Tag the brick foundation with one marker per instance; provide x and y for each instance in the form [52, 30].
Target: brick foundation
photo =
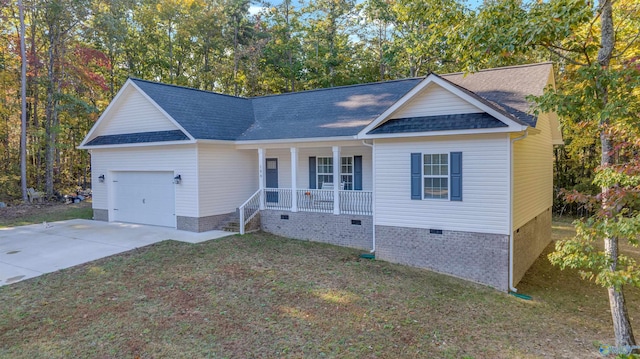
[203, 224]
[320, 227]
[528, 242]
[101, 215]
[477, 257]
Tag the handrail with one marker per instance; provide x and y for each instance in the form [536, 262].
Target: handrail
[254, 209]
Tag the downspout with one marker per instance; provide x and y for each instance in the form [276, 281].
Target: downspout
[373, 193]
[526, 133]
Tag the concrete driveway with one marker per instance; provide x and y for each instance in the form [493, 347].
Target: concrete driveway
[29, 251]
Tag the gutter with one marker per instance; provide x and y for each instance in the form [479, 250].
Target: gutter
[373, 192]
[526, 133]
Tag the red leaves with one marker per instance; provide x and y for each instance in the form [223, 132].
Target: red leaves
[85, 67]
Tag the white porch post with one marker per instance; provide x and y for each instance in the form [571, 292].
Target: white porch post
[336, 179]
[261, 176]
[294, 179]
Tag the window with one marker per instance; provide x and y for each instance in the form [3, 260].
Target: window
[346, 172]
[436, 176]
[324, 171]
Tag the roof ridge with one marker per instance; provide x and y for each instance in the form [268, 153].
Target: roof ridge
[501, 68]
[340, 87]
[188, 88]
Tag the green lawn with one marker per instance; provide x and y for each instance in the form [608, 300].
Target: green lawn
[30, 214]
[262, 296]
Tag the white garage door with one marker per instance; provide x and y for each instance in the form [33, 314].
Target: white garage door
[144, 197]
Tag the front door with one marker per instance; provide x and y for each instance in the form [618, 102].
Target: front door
[272, 179]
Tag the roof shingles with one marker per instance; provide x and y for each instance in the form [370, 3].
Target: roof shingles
[140, 137]
[438, 123]
[335, 112]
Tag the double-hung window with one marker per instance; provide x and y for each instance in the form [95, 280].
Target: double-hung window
[346, 172]
[436, 176]
[324, 172]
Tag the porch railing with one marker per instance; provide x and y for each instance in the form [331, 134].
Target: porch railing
[307, 200]
[277, 198]
[315, 200]
[356, 202]
[249, 209]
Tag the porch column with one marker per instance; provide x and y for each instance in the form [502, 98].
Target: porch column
[294, 179]
[336, 179]
[261, 176]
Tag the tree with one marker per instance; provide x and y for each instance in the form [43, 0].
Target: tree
[606, 88]
[282, 53]
[23, 105]
[598, 91]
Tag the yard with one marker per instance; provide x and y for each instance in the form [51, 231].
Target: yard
[261, 296]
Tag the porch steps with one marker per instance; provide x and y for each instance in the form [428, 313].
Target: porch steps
[233, 224]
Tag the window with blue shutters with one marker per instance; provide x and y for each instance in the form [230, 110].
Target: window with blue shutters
[321, 171]
[436, 176]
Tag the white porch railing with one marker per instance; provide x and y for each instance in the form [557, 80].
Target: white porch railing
[249, 209]
[315, 200]
[308, 200]
[277, 198]
[356, 202]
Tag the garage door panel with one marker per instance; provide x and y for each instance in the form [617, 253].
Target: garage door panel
[144, 197]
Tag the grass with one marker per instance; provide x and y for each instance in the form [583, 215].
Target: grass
[32, 214]
[262, 296]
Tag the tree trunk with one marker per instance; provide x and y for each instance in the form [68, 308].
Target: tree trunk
[51, 113]
[23, 100]
[236, 59]
[621, 324]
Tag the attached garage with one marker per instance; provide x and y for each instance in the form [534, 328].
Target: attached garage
[144, 197]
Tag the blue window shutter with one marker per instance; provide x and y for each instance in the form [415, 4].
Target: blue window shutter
[312, 173]
[416, 176]
[456, 176]
[357, 173]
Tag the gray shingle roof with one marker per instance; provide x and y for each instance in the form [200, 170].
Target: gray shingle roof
[338, 111]
[333, 112]
[438, 123]
[205, 115]
[507, 87]
[140, 137]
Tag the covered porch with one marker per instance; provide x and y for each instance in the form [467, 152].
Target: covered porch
[326, 178]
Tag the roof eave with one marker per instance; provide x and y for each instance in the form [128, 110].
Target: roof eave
[474, 131]
[136, 144]
[292, 140]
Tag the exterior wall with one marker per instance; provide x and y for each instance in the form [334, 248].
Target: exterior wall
[181, 159]
[133, 114]
[529, 241]
[320, 227]
[203, 224]
[485, 191]
[432, 101]
[478, 257]
[532, 174]
[227, 177]
[101, 215]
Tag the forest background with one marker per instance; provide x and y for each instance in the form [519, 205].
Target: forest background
[79, 52]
